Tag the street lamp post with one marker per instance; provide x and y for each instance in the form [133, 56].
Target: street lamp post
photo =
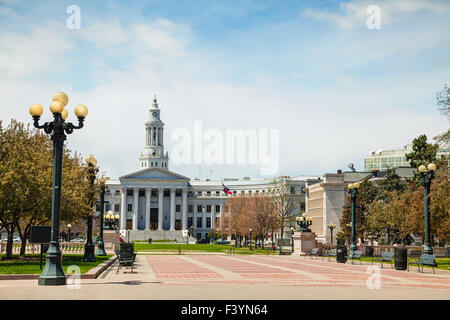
[331, 226]
[304, 222]
[69, 226]
[100, 244]
[292, 238]
[53, 273]
[89, 247]
[353, 190]
[116, 221]
[427, 175]
[251, 248]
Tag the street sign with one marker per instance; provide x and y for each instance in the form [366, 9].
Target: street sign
[40, 234]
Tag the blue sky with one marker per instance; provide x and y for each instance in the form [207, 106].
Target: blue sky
[312, 69]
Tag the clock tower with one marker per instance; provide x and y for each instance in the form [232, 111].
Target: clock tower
[153, 154]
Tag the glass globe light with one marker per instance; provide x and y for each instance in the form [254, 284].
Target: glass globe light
[56, 107]
[65, 114]
[81, 111]
[117, 217]
[61, 97]
[350, 186]
[422, 168]
[431, 167]
[69, 226]
[356, 185]
[36, 110]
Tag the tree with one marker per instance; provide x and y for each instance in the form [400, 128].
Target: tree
[284, 204]
[423, 153]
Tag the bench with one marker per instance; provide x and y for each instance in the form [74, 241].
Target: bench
[284, 251]
[126, 256]
[425, 260]
[356, 255]
[314, 252]
[385, 257]
[332, 253]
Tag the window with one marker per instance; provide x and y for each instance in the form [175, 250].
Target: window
[107, 207]
[217, 193]
[250, 193]
[117, 192]
[234, 193]
[117, 207]
[208, 208]
[208, 222]
[199, 193]
[208, 193]
[129, 192]
[166, 193]
[190, 208]
[190, 222]
[130, 207]
[152, 164]
[154, 194]
[242, 193]
[217, 208]
[199, 222]
[292, 190]
[178, 208]
[178, 193]
[199, 208]
[108, 192]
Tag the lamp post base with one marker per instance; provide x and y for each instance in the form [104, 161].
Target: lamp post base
[89, 253]
[100, 248]
[53, 273]
[353, 248]
[427, 249]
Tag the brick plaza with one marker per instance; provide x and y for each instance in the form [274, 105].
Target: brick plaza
[240, 277]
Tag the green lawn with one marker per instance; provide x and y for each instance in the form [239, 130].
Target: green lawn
[30, 264]
[443, 263]
[169, 247]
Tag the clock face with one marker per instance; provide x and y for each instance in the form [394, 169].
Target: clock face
[155, 114]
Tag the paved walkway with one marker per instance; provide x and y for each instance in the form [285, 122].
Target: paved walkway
[241, 277]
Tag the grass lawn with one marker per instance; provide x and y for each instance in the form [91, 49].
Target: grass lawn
[443, 263]
[29, 264]
[221, 248]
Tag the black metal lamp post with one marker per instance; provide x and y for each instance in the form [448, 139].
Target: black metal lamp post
[353, 190]
[53, 273]
[251, 248]
[292, 238]
[89, 247]
[100, 244]
[69, 226]
[331, 226]
[427, 175]
[304, 222]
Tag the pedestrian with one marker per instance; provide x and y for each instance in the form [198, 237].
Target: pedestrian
[121, 239]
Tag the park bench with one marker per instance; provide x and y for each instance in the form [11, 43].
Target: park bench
[425, 260]
[314, 252]
[285, 251]
[126, 256]
[356, 256]
[385, 257]
[332, 253]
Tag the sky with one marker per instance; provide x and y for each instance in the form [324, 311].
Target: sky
[333, 87]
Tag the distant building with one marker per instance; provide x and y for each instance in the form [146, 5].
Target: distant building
[384, 159]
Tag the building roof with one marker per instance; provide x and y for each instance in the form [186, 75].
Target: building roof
[350, 176]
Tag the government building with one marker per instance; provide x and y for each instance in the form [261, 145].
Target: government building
[157, 203]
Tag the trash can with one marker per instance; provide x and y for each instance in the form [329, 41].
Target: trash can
[341, 252]
[150, 240]
[401, 258]
[369, 251]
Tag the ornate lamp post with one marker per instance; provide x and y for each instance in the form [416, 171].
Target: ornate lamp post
[251, 248]
[100, 244]
[427, 175]
[116, 220]
[353, 190]
[304, 222]
[331, 226]
[53, 273]
[292, 238]
[89, 247]
[69, 226]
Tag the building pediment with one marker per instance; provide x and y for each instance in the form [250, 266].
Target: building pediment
[154, 174]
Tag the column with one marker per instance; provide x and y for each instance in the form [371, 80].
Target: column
[135, 207]
[213, 216]
[195, 217]
[147, 208]
[204, 217]
[220, 216]
[172, 208]
[123, 211]
[160, 208]
[184, 211]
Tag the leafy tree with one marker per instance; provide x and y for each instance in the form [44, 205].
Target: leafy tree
[423, 153]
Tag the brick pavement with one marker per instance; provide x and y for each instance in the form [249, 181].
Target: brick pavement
[239, 277]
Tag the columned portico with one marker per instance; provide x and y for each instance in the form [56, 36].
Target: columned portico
[160, 208]
[172, 209]
[135, 207]
[123, 211]
[184, 210]
[147, 207]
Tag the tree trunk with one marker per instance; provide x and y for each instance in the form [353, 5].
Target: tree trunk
[9, 243]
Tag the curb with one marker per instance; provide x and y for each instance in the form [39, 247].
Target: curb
[91, 274]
